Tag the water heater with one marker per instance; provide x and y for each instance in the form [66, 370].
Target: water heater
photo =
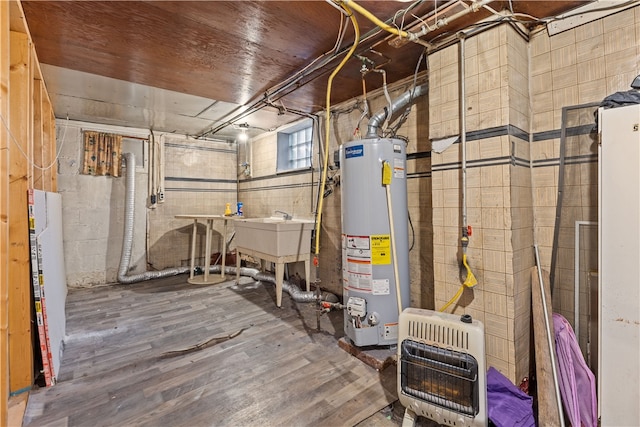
[369, 283]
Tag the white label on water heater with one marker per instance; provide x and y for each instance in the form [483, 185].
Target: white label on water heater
[345, 274]
[380, 286]
[358, 262]
[398, 168]
[359, 281]
[359, 247]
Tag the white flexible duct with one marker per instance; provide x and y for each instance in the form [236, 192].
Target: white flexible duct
[127, 245]
[127, 241]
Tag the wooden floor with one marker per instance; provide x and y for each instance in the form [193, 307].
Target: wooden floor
[279, 371]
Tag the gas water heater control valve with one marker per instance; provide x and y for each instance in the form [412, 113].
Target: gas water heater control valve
[374, 319]
[356, 307]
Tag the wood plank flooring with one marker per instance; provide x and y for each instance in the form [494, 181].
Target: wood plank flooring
[279, 371]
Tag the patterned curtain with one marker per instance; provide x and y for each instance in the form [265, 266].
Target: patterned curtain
[102, 154]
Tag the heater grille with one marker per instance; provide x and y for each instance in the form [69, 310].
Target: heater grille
[440, 376]
[446, 335]
[441, 373]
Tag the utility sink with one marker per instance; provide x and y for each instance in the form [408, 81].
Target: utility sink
[274, 236]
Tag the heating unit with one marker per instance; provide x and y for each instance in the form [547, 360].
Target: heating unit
[441, 368]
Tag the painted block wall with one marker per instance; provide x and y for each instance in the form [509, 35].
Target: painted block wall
[498, 193]
[200, 177]
[93, 212]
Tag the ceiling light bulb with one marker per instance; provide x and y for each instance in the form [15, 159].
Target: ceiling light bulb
[243, 136]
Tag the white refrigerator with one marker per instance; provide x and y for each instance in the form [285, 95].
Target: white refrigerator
[619, 266]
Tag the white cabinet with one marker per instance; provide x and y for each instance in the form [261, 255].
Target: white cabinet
[619, 266]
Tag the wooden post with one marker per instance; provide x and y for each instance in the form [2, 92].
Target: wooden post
[4, 212]
[548, 411]
[20, 339]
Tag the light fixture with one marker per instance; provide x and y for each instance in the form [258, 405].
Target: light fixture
[243, 137]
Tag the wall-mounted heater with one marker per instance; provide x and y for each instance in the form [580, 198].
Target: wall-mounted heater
[441, 368]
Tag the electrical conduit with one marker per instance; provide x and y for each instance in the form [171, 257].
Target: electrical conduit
[470, 281]
[328, 127]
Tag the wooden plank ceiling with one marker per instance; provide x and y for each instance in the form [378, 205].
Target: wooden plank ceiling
[235, 51]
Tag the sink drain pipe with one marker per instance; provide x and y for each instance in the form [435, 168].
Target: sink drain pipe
[294, 291]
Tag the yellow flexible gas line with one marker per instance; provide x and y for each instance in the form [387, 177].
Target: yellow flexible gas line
[371, 17]
[452, 300]
[356, 29]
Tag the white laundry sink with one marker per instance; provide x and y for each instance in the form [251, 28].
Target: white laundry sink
[274, 236]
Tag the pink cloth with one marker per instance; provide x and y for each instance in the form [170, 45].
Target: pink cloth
[577, 382]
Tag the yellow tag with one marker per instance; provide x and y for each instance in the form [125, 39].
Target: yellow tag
[386, 173]
[380, 249]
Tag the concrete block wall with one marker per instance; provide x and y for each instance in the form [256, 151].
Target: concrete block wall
[200, 177]
[498, 192]
[93, 211]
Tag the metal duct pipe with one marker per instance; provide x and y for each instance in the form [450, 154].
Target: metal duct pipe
[406, 99]
[127, 243]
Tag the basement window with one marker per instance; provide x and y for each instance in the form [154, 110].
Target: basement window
[295, 147]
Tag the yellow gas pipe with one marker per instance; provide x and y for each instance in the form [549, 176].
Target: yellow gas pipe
[328, 126]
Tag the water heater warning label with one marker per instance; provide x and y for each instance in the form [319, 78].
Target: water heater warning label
[357, 251]
[358, 246]
[398, 168]
[380, 249]
[380, 286]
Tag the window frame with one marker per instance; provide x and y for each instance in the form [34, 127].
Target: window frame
[284, 148]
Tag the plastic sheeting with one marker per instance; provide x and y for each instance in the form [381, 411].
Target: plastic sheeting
[507, 405]
[577, 382]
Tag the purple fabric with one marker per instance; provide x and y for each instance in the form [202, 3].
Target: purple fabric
[507, 405]
[577, 382]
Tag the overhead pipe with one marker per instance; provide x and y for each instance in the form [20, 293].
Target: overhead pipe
[406, 99]
[127, 244]
[414, 37]
[475, 6]
[278, 91]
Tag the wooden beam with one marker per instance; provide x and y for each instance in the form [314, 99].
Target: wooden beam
[20, 338]
[4, 212]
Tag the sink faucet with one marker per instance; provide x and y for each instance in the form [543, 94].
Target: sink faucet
[285, 215]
